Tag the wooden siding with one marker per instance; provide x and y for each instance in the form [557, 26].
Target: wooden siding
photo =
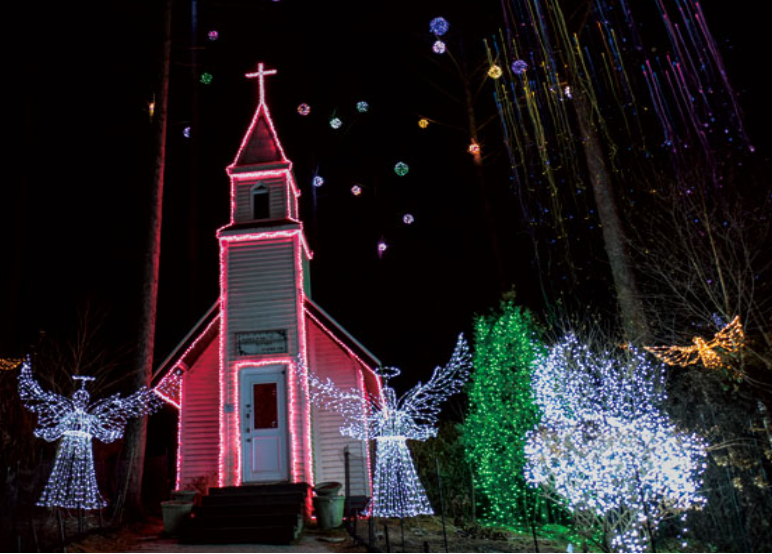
[200, 431]
[277, 191]
[261, 290]
[328, 359]
[261, 294]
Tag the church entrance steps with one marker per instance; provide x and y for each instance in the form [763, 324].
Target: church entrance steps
[263, 514]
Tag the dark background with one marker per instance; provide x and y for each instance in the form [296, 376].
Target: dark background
[75, 209]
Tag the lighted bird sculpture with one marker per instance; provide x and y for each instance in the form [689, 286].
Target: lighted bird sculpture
[709, 353]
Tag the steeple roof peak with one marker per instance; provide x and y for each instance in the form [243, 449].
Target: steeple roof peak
[261, 143]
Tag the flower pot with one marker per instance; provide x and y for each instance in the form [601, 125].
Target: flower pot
[175, 513]
[329, 511]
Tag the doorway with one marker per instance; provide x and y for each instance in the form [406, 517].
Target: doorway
[264, 424]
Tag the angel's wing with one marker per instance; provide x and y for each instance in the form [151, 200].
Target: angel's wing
[111, 414]
[675, 355]
[422, 402]
[730, 338]
[354, 406]
[51, 408]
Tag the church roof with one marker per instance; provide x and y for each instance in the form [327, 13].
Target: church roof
[340, 334]
[195, 342]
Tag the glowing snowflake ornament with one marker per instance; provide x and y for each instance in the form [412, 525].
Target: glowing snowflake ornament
[495, 72]
[423, 123]
[363, 107]
[336, 123]
[76, 422]
[519, 67]
[304, 109]
[439, 26]
[391, 422]
[356, 190]
[401, 169]
[317, 181]
[439, 47]
[408, 219]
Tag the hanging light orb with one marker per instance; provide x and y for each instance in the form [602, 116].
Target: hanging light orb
[382, 246]
[567, 92]
[206, 78]
[439, 47]
[356, 190]
[423, 123]
[401, 169]
[304, 109]
[408, 219]
[474, 148]
[186, 132]
[363, 106]
[494, 72]
[335, 123]
[213, 35]
[439, 26]
[519, 67]
[318, 181]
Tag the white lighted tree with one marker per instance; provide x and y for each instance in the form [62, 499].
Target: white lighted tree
[391, 421]
[76, 422]
[605, 449]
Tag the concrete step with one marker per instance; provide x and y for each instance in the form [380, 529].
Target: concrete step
[239, 535]
[263, 514]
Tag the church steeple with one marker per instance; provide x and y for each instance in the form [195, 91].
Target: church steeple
[263, 188]
[261, 144]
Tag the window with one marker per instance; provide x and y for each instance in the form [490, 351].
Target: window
[266, 406]
[261, 206]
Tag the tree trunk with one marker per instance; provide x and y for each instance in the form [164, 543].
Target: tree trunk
[130, 505]
[482, 186]
[615, 243]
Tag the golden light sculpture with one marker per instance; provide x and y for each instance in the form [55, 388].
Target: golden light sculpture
[708, 353]
[9, 364]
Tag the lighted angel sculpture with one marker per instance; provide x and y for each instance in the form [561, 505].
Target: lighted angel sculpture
[728, 339]
[73, 483]
[391, 422]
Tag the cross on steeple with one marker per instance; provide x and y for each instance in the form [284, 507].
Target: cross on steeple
[260, 74]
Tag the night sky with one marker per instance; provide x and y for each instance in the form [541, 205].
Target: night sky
[75, 209]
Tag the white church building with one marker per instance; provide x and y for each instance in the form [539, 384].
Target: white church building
[244, 414]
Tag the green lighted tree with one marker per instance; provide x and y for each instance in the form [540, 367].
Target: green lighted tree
[501, 412]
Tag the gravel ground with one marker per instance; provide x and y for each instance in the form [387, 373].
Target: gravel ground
[148, 537]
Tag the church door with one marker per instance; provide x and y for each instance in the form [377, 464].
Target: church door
[264, 424]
